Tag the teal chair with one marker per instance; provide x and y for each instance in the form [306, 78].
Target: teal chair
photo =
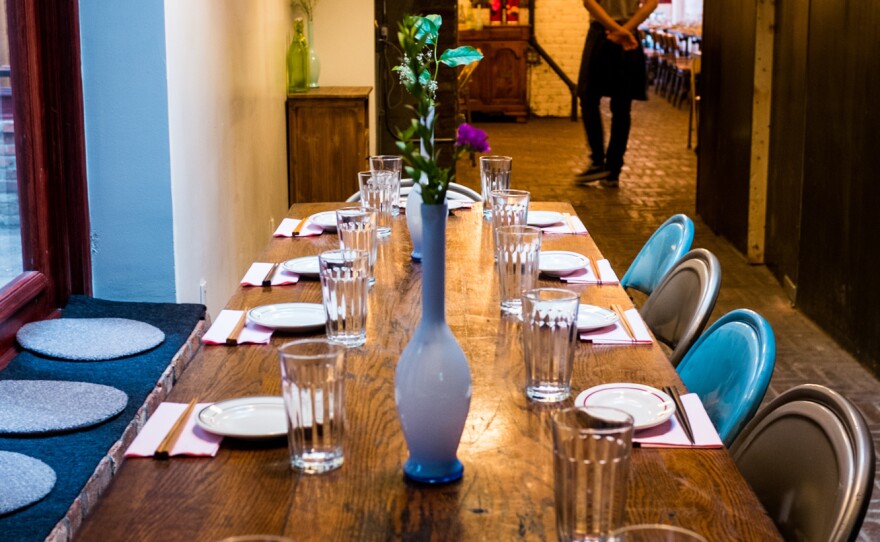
[665, 247]
[729, 367]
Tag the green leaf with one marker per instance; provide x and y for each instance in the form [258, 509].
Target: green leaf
[460, 56]
[427, 28]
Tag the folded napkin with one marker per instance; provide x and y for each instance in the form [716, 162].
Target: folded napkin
[579, 228]
[193, 440]
[258, 270]
[285, 229]
[588, 276]
[617, 334]
[670, 433]
[225, 323]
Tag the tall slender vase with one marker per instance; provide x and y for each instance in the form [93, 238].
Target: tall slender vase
[314, 61]
[414, 200]
[432, 383]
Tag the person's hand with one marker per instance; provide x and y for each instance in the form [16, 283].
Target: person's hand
[623, 38]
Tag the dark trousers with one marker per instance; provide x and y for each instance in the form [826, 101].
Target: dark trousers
[620, 123]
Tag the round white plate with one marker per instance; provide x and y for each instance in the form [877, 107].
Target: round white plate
[557, 263]
[289, 316]
[306, 266]
[326, 219]
[591, 317]
[245, 417]
[543, 218]
[454, 204]
[648, 406]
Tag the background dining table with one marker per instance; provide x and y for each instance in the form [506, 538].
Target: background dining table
[507, 489]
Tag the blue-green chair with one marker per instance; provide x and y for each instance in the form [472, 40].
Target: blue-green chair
[665, 247]
[729, 367]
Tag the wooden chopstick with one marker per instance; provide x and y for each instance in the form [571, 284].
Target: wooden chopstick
[569, 222]
[595, 265]
[299, 227]
[232, 339]
[164, 449]
[267, 280]
[681, 413]
[623, 320]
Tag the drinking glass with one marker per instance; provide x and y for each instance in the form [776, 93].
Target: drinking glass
[518, 248]
[494, 175]
[655, 533]
[591, 456]
[313, 387]
[345, 282]
[377, 192]
[509, 208]
[357, 230]
[394, 164]
[548, 335]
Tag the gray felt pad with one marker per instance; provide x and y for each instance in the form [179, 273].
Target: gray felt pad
[45, 406]
[24, 480]
[89, 339]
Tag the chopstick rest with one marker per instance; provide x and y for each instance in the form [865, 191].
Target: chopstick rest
[163, 451]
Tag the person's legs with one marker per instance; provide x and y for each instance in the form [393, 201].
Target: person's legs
[592, 119]
[620, 123]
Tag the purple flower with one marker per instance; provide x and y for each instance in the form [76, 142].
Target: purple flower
[472, 139]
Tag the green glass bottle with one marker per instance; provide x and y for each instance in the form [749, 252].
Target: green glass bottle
[298, 59]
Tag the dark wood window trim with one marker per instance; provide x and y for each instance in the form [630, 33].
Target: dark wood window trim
[44, 53]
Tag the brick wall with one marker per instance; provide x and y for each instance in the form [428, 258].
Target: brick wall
[560, 28]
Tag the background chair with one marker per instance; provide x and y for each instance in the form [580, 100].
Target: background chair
[666, 245]
[729, 367]
[810, 459]
[455, 191]
[680, 306]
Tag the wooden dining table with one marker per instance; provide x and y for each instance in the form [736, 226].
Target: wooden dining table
[506, 492]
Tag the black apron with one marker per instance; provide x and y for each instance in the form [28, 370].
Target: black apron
[608, 70]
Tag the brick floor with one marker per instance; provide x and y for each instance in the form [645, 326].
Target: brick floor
[659, 180]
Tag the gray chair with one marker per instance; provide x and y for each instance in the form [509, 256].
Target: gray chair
[454, 191]
[679, 307]
[810, 459]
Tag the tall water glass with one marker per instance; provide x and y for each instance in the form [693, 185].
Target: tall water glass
[357, 229]
[591, 456]
[549, 337]
[509, 208]
[518, 248]
[345, 282]
[313, 387]
[494, 175]
[389, 162]
[377, 192]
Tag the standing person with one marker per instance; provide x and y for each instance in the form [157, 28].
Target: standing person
[613, 65]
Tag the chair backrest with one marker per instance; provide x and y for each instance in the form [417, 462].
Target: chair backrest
[680, 306]
[729, 367]
[809, 457]
[454, 191]
[665, 246]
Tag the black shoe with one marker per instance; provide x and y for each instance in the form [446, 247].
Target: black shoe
[612, 180]
[592, 174]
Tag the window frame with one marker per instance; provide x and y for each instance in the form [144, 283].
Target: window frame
[44, 50]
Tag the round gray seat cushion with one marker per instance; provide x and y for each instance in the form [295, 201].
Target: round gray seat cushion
[24, 480]
[89, 339]
[45, 406]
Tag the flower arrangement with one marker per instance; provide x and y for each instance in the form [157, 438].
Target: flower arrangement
[418, 71]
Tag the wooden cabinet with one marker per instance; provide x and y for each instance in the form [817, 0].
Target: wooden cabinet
[499, 83]
[328, 142]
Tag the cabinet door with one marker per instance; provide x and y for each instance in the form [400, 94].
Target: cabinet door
[508, 68]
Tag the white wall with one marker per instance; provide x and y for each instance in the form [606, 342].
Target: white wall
[226, 101]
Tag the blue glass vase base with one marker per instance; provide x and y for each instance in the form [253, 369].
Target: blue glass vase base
[416, 256]
[423, 474]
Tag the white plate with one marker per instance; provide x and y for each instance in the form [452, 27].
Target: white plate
[454, 204]
[245, 417]
[326, 219]
[648, 406]
[557, 263]
[289, 316]
[305, 266]
[591, 317]
[543, 218]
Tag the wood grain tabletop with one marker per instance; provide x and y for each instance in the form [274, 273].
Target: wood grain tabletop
[507, 489]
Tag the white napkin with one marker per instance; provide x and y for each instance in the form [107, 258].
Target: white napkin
[193, 440]
[285, 229]
[225, 323]
[258, 270]
[670, 433]
[579, 228]
[587, 276]
[617, 334]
